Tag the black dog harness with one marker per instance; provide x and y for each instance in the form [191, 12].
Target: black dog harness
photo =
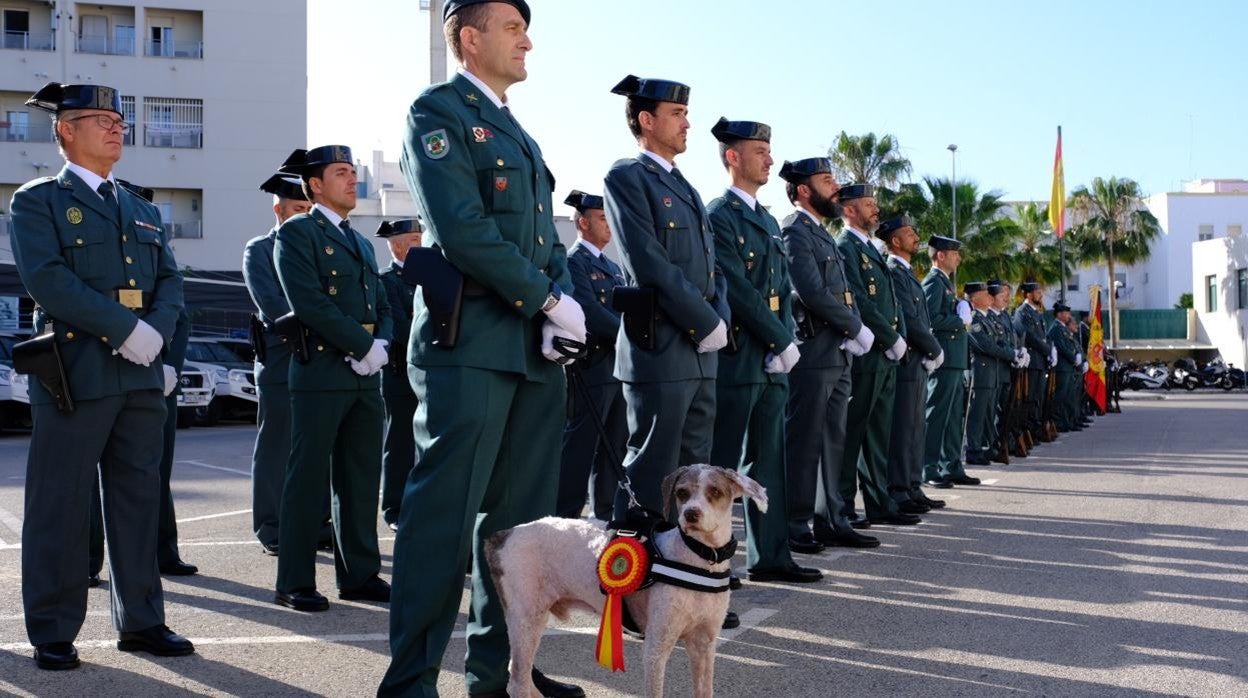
[645, 524]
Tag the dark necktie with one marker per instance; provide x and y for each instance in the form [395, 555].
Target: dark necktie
[681, 178]
[105, 191]
[346, 233]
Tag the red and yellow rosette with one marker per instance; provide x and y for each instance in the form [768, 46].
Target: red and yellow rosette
[622, 568]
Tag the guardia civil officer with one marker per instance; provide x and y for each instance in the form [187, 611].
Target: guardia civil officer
[1069, 367]
[398, 445]
[988, 351]
[586, 466]
[998, 312]
[752, 386]
[832, 333]
[667, 248]
[272, 369]
[946, 387]
[493, 405]
[869, 425]
[330, 278]
[1029, 324]
[923, 356]
[108, 294]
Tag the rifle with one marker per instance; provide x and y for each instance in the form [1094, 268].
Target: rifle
[1048, 421]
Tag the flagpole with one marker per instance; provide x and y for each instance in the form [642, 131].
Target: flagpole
[1057, 212]
[1061, 247]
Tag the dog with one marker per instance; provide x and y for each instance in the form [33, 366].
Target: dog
[550, 566]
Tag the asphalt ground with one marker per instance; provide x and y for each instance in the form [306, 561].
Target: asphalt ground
[1113, 562]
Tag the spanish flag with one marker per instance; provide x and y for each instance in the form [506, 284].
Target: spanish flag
[1057, 200]
[1094, 379]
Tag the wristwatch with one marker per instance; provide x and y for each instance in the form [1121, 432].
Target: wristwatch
[552, 299]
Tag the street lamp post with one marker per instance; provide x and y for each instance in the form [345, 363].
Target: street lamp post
[953, 157]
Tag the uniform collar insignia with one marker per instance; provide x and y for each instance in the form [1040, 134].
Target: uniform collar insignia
[471, 97]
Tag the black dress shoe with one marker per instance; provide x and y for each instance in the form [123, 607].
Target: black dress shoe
[794, 574]
[805, 544]
[375, 589]
[93, 580]
[307, 600]
[848, 539]
[975, 460]
[55, 656]
[859, 522]
[551, 688]
[270, 550]
[731, 620]
[734, 582]
[940, 483]
[900, 519]
[964, 480]
[158, 640]
[177, 568]
[932, 503]
[911, 506]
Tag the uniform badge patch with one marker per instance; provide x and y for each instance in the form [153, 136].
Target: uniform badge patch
[74, 215]
[871, 290]
[480, 134]
[329, 250]
[500, 183]
[436, 145]
[667, 201]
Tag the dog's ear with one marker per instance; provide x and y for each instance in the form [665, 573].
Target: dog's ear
[669, 483]
[747, 487]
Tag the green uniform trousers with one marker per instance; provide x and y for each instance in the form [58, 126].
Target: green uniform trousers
[908, 439]
[488, 448]
[1066, 398]
[398, 452]
[335, 442]
[867, 434]
[268, 460]
[979, 424]
[1037, 384]
[814, 447]
[749, 436]
[942, 452]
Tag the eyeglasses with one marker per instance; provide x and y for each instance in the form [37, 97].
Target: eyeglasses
[106, 122]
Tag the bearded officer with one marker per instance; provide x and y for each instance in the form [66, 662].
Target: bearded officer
[108, 293]
[398, 444]
[330, 277]
[832, 333]
[752, 386]
[923, 356]
[492, 406]
[946, 387]
[586, 465]
[272, 370]
[868, 428]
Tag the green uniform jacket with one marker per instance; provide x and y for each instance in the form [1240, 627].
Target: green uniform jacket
[334, 289]
[399, 294]
[872, 288]
[666, 244]
[817, 270]
[1067, 347]
[751, 256]
[72, 253]
[987, 349]
[942, 308]
[594, 279]
[1029, 323]
[260, 275]
[484, 193]
[920, 342]
[1009, 340]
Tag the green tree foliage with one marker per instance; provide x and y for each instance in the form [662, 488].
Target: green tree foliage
[868, 159]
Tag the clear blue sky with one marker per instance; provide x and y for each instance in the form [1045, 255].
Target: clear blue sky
[1156, 91]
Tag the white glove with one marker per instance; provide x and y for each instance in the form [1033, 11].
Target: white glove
[568, 314]
[549, 331]
[171, 380]
[1026, 358]
[716, 340]
[1083, 367]
[784, 361]
[1052, 357]
[865, 339]
[964, 311]
[939, 360]
[929, 365]
[377, 355]
[896, 351]
[360, 367]
[143, 345]
[1078, 359]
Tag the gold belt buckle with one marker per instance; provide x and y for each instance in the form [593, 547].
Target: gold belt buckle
[849, 298]
[130, 298]
[773, 302]
[368, 327]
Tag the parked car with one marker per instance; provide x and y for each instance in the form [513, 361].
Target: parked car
[14, 388]
[234, 381]
[197, 392]
[242, 347]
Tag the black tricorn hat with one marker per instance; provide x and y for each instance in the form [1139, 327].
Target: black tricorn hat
[1029, 286]
[389, 229]
[55, 97]
[302, 161]
[974, 287]
[652, 88]
[141, 192]
[892, 225]
[800, 170]
[726, 131]
[581, 201]
[453, 6]
[940, 242]
[284, 186]
[850, 192]
[1060, 307]
[995, 286]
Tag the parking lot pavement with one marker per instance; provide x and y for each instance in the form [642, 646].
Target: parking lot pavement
[1113, 562]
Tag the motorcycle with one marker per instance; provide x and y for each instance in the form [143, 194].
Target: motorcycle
[1148, 377]
[1217, 374]
[1185, 374]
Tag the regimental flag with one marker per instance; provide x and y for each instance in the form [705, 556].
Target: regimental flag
[1057, 200]
[1094, 379]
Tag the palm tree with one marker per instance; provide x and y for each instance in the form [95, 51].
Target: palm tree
[1111, 225]
[987, 236]
[1038, 257]
[870, 160]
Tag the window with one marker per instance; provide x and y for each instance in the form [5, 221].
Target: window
[1072, 284]
[123, 39]
[173, 123]
[16, 29]
[1241, 288]
[1205, 233]
[127, 114]
[1211, 293]
[18, 128]
[160, 40]
[93, 34]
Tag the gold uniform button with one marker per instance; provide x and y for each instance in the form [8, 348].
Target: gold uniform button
[771, 346]
[124, 238]
[333, 272]
[369, 305]
[104, 339]
[133, 283]
[320, 347]
[519, 304]
[499, 162]
[540, 240]
[671, 224]
[129, 260]
[539, 208]
[692, 332]
[69, 335]
[79, 241]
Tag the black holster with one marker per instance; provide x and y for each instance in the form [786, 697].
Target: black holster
[256, 331]
[807, 327]
[41, 358]
[292, 331]
[442, 287]
[637, 313]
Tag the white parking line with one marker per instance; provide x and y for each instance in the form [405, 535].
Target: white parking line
[10, 521]
[210, 466]
[215, 516]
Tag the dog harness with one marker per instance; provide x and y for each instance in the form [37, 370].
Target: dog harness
[645, 524]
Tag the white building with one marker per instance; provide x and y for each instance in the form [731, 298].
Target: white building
[1220, 293]
[215, 92]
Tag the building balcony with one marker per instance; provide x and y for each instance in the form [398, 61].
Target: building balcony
[165, 135]
[172, 48]
[193, 230]
[25, 132]
[104, 45]
[28, 41]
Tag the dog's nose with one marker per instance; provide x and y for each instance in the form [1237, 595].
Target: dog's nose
[692, 515]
